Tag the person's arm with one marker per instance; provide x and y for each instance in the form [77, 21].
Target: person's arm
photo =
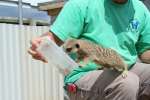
[145, 57]
[143, 44]
[69, 23]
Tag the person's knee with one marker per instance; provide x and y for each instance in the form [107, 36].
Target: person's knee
[123, 89]
[126, 87]
[130, 85]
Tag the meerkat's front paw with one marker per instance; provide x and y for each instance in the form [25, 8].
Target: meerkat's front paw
[82, 64]
[125, 74]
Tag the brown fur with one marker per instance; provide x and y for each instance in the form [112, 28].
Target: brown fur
[88, 51]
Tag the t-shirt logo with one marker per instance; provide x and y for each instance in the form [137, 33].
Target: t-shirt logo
[134, 25]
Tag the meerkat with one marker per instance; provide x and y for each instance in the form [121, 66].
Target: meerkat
[88, 51]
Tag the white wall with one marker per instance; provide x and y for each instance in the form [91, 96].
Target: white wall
[21, 77]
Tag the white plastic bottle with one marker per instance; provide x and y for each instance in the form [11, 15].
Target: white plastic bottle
[56, 56]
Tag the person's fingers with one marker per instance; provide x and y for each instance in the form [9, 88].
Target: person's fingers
[30, 51]
[33, 52]
[44, 60]
[39, 57]
[35, 43]
[36, 55]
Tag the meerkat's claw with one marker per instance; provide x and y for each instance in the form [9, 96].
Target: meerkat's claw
[124, 74]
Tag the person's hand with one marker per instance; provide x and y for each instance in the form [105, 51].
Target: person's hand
[36, 42]
[32, 50]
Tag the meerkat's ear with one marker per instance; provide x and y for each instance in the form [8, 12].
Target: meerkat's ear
[77, 45]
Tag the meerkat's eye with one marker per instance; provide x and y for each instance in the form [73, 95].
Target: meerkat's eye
[68, 49]
[77, 46]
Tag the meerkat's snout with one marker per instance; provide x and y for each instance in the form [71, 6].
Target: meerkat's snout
[68, 50]
[73, 48]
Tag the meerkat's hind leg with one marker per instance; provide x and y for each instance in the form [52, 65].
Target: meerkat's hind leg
[111, 68]
[125, 72]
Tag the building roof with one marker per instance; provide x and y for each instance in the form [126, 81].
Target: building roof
[29, 13]
[52, 5]
[15, 2]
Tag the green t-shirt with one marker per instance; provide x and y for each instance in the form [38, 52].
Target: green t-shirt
[122, 27]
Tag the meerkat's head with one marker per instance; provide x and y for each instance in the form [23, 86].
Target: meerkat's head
[71, 46]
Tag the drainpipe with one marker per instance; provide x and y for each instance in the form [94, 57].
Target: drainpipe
[20, 12]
